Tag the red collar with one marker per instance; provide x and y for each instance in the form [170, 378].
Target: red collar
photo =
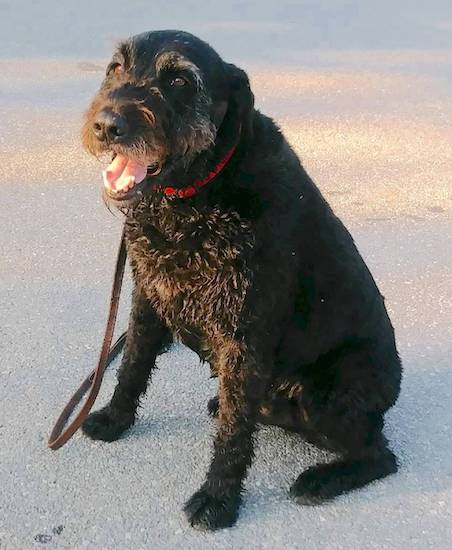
[190, 190]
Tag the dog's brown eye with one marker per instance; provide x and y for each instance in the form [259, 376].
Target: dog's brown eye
[178, 81]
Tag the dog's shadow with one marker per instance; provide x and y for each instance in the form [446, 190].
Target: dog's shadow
[419, 428]
[160, 426]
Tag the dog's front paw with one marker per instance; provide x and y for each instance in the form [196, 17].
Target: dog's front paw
[207, 512]
[107, 424]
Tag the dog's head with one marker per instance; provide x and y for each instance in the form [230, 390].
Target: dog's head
[161, 105]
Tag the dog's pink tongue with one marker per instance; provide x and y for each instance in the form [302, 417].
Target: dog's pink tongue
[122, 173]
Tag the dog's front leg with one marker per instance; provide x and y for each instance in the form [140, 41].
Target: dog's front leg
[146, 338]
[217, 503]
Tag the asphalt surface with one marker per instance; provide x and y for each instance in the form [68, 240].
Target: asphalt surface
[364, 95]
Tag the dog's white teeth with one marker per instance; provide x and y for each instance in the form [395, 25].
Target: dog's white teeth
[130, 183]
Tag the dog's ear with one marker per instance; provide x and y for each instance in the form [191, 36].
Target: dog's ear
[241, 97]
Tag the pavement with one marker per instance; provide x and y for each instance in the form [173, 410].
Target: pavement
[363, 92]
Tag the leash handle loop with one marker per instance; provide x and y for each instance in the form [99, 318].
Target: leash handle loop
[60, 433]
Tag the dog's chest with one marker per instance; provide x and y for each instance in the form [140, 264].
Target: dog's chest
[193, 266]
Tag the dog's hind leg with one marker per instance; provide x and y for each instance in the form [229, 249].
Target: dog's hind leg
[359, 465]
[146, 338]
[346, 409]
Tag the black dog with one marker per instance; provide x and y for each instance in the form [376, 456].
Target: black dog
[235, 253]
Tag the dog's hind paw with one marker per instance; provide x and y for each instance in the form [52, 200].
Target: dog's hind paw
[106, 424]
[213, 406]
[209, 513]
[308, 491]
[327, 481]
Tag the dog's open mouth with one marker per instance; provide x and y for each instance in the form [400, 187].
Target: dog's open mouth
[123, 175]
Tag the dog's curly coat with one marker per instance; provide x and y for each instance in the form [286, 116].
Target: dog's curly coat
[254, 272]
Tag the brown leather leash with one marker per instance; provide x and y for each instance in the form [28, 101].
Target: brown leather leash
[60, 433]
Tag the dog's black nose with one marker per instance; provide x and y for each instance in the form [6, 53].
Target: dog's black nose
[110, 126]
